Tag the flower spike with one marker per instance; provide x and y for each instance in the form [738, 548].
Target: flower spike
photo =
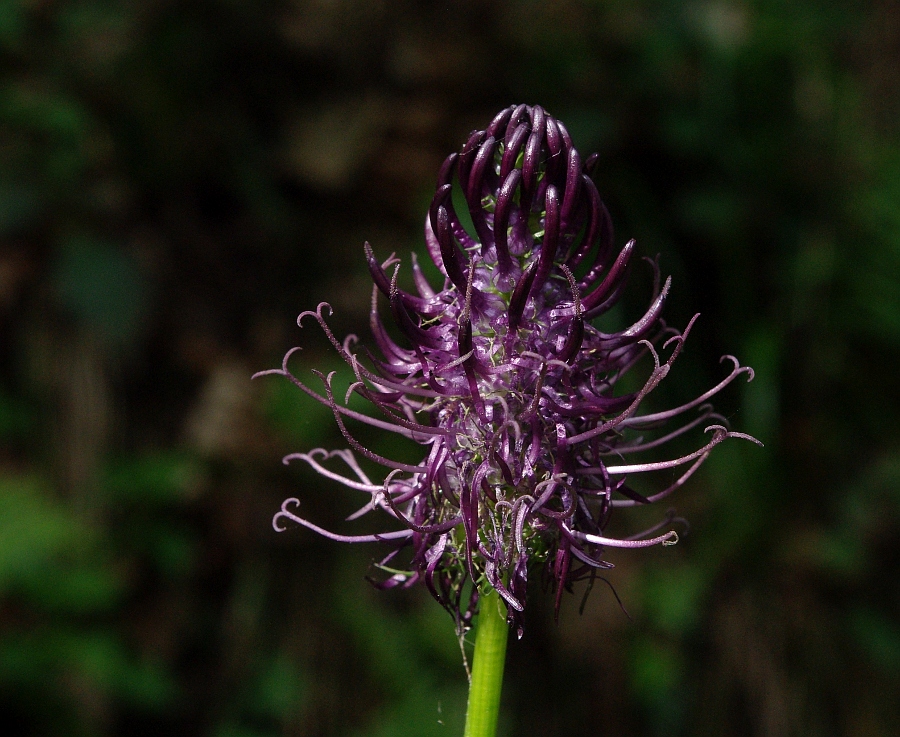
[510, 390]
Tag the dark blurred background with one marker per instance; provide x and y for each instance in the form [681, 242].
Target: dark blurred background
[178, 180]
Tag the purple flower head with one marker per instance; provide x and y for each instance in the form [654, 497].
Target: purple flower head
[506, 384]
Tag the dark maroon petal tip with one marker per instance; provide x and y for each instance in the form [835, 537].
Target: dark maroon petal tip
[512, 149]
[520, 297]
[502, 211]
[449, 251]
[550, 242]
[378, 275]
[616, 273]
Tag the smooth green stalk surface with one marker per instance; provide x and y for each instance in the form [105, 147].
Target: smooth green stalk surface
[487, 668]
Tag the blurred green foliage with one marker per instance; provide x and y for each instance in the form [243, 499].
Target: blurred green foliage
[178, 180]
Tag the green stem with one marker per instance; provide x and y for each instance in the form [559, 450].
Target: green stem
[487, 668]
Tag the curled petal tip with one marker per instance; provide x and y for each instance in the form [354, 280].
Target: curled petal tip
[746, 436]
[267, 372]
[285, 513]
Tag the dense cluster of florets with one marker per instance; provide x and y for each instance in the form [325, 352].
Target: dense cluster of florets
[505, 382]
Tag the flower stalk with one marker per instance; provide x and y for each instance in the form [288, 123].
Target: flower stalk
[491, 634]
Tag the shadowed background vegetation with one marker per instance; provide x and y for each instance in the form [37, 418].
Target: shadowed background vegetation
[178, 180]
